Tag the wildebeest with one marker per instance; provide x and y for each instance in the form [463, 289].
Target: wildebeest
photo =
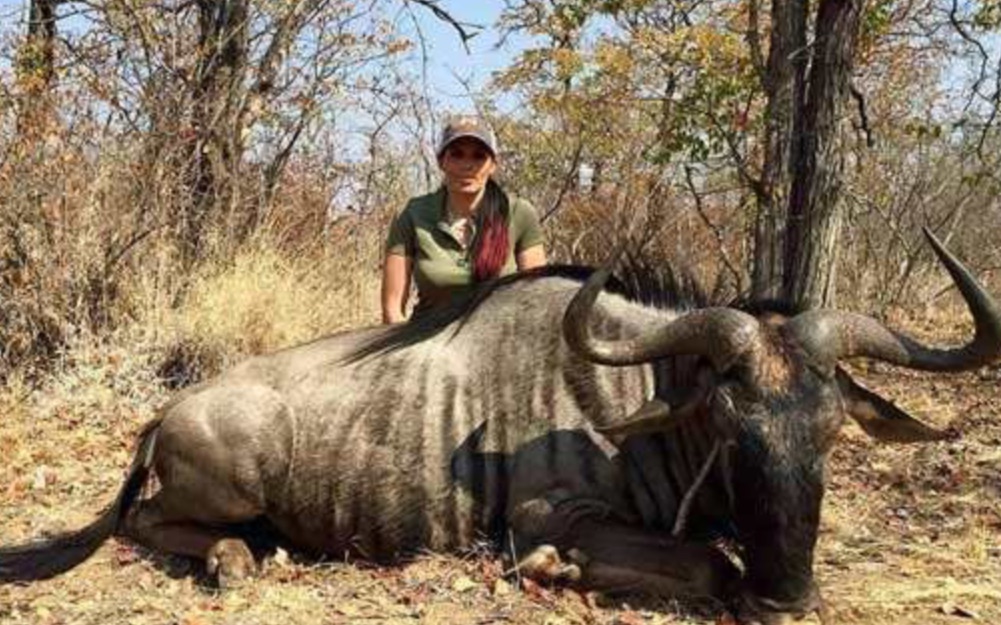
[611, 453]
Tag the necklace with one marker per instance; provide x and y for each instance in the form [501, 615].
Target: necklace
[460, 227]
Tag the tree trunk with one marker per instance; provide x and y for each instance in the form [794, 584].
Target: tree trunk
[784, 84]
[217, 149]
[814, 215]
[37, 68]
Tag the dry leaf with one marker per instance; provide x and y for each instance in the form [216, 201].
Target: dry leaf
[726, 619]
[502, 588]
[462, 584]
[125, 554]
[952, 609]
[630, 618]
[42, 478]
[349, 609]
[281, 558]
[590, 599]
[535, 591]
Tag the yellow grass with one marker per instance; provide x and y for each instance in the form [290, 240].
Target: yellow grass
[265, 300]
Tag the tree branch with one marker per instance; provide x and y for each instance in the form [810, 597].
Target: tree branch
[754, 42]
[567, 181]
[995, 98]
[445, 16]
[755, 183]
[717, 233]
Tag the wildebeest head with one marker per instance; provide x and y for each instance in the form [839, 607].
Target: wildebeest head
[773, 390]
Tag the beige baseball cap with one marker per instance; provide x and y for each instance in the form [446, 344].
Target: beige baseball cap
[467, 126]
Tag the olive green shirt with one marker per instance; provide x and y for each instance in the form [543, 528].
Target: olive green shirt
[442, 264]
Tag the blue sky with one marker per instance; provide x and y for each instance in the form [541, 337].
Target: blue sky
[448, 60]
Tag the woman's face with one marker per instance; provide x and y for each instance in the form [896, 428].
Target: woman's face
[467, 165]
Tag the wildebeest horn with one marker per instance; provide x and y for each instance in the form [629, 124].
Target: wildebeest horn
[720, 334]
[830, 335]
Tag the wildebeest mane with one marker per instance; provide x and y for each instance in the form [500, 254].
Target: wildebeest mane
[662, 285]
[658, 285]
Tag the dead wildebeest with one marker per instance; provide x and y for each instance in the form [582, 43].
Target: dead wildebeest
[611, 454]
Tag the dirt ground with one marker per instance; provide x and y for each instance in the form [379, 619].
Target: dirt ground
[910, 534]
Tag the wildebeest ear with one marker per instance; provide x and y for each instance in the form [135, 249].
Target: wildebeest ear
[655, 415]
[880, 418]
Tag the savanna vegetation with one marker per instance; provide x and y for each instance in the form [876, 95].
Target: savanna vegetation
[187, 182]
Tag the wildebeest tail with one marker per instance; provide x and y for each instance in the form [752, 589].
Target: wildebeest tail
[50, 557]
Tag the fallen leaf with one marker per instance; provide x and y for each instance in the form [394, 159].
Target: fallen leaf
[349, 609]
[630, 618]
[125, 554]
[952, 609]
[535, 591]
[234, 601]
[17, 487]
[502, 588]
[463, 584]
[726, 619]
[210, 606]
[281, 558]
[590, 599]
[41, 478]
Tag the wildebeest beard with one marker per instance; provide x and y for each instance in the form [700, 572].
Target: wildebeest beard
[778, 488]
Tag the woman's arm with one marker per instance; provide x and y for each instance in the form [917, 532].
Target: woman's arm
[531, 258]
[395, 287]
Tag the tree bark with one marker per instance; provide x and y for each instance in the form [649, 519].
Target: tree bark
[784, 82]
[217, 149]
[814, 214]
[37, 68]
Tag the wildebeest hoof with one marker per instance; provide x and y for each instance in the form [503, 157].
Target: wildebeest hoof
[230, 562]
[545, 565]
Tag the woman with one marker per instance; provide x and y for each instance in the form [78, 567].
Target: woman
[467, 231]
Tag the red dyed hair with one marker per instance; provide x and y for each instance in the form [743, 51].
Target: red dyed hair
[492, 245]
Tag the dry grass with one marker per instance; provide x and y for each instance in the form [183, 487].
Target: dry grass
[264, 300]
[909, 535]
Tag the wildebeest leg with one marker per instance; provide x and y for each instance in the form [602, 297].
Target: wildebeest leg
[621, 558]
[161, 525]
[613, 556]
[215, 454]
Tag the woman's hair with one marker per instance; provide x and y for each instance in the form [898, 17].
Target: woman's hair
[490, 247]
